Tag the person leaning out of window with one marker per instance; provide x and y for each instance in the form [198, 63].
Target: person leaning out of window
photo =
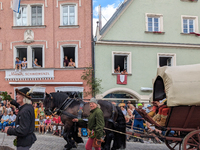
[24, 63]
[35, 63]
[18, 64]
[71, 63]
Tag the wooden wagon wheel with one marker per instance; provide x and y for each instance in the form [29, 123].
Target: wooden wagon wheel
[192, 141]
[172, 145]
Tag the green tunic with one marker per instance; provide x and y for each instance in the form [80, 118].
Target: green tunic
[96, 122]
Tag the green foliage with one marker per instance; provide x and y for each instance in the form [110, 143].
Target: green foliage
[93, 83]
[5, 96]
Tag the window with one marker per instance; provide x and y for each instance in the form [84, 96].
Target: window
[71, 51]
[29, 15]
[36, 15]
[154, 23]
[122, 60]
[21, 53]
[37, 53]
[68, 15]
[21, 17]
[166, 60]
[189, 24]
[30, 52]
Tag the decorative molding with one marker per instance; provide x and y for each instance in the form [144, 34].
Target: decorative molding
[29, 27]
[69, 26]
[135, 43]
[67, 0]
[1, 47]
[1, 5]
[46, 83]
[45, 1]
[11, 43]
[69, 41]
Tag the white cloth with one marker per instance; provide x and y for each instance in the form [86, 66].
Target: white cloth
[16, 6]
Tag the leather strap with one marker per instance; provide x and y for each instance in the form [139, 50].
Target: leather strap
[80, 111]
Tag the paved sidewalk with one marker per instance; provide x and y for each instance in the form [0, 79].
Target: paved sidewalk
[49, 142]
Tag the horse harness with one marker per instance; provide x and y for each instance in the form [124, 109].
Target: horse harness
[65, 105]
[68, 102]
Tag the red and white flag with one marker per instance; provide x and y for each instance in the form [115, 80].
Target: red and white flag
[121, 79]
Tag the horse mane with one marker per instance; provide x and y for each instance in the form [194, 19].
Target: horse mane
[58, 98]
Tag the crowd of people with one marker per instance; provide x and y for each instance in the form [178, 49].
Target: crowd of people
[7, 114]
[23, 64]
[135, 121]
[68, 63]
[46, 123]
[118, 71]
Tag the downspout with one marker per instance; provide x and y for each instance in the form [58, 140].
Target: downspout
[92, 44]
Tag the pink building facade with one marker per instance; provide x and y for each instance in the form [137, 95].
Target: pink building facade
[47, 30]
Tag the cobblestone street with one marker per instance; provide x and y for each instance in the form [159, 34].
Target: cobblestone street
[48, 142]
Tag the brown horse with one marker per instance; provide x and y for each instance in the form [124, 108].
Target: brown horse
[114, 119]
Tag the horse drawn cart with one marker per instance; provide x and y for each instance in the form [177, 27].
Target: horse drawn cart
[180, 85]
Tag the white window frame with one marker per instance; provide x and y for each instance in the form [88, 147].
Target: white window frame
[129, 57]
[152, 15]
[29, 54]
[29, 14]
[62, 54]
[195, 18]
[173, 55]
[61, 13]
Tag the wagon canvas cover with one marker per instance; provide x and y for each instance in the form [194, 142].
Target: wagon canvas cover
[180, 83]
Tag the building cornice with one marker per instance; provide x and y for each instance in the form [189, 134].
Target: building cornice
[46, 83]
[153, 44]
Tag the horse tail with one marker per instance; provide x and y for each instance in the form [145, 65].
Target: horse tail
[120, 139]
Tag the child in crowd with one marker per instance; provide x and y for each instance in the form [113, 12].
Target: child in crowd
[57, 121]
[48, 124]
[41, 124]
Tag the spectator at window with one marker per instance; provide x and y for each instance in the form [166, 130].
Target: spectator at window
[41, 124]
[4, 121]
[12, 119]
[18, 64]
[66, 62]
[24, 63]
[57, 120]
[71, 63]
[48, 124]
[8, 109]
[124, 72]
[35, 63]
[117, 70]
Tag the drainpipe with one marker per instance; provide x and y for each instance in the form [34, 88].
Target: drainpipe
[92, 44]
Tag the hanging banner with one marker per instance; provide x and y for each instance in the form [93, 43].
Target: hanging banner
[121, 79]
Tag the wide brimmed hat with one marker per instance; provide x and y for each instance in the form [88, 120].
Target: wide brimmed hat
[93, 100]
[24, 92]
